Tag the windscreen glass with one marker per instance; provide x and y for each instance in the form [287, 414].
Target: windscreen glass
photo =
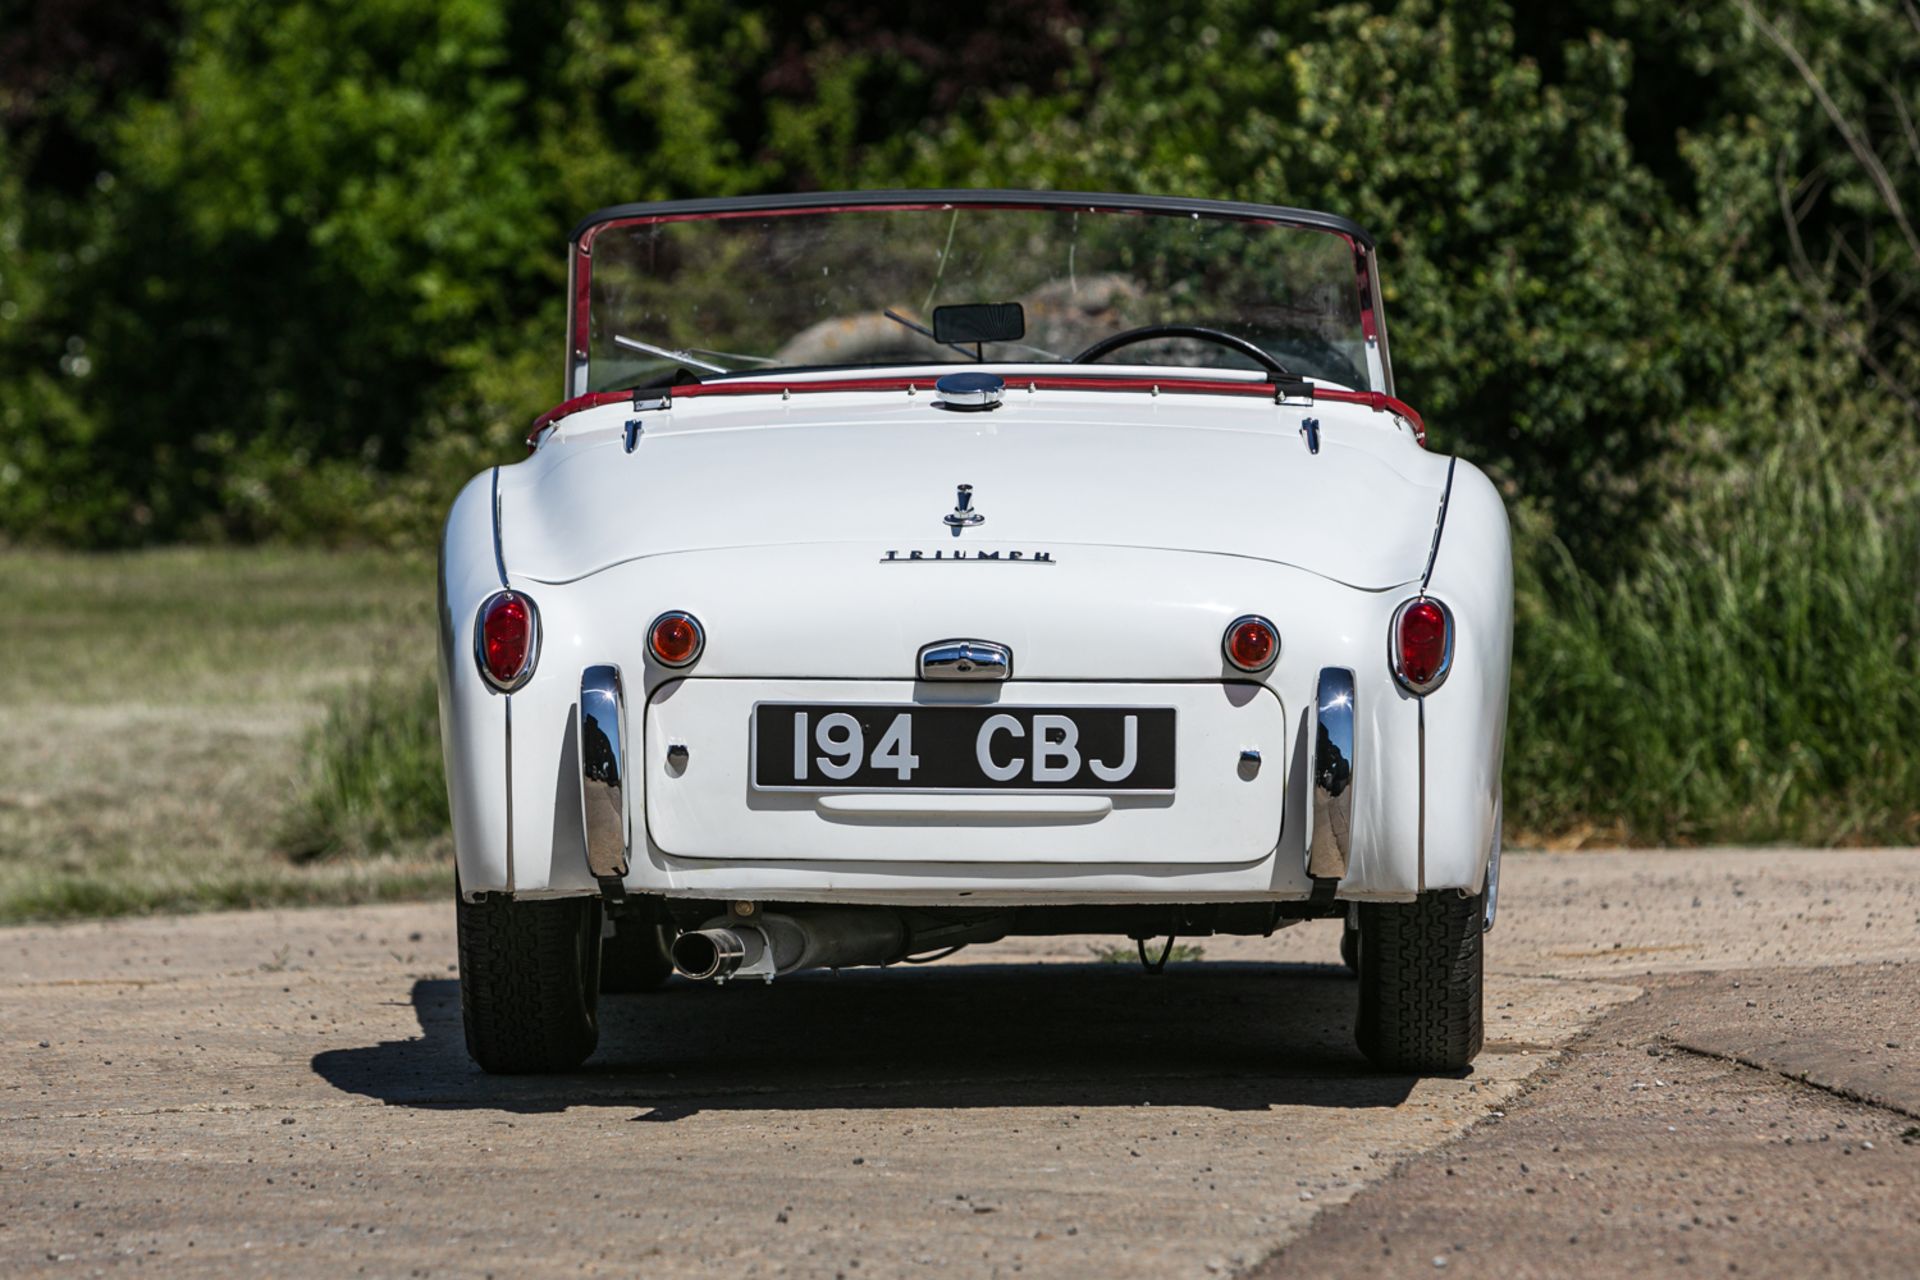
[859, 288]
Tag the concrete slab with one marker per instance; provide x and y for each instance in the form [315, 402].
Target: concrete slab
[287, 1093]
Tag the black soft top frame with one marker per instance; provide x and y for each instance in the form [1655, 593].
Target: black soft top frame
[829, 200]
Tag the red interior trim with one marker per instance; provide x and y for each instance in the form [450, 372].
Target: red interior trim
[1378, 401]
[591, 400]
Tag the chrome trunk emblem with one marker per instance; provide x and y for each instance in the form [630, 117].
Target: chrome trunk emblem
[966, 660]
[963, 515]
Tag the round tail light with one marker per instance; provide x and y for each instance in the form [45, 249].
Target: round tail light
[1251, 643]
[1421, 644]
[676, 639]
[507, 639]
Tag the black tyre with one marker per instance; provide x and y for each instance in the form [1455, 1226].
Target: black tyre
[530, 982]
[1350, 947]
[1420, 974]
[634, 957]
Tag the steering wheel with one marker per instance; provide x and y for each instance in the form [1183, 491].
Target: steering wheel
[1148, 333]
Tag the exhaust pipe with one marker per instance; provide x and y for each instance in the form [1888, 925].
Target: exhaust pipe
[717, 953]
[769, 945]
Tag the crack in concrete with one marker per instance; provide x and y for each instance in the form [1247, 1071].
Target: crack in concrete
[1805, 1077]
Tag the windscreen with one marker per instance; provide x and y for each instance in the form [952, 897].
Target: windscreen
[868, 288]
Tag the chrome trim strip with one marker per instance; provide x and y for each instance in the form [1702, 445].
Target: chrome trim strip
[1493, 870]
[1384, 348]
[1421, 841]
[603, 754]
[533, 650]
[1330, 847]
[1439, 525]
[499, 551]
[965, 660]
[508, 710]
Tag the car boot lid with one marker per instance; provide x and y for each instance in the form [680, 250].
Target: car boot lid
[1334, 489]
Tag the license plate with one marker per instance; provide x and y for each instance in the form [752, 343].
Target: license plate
[809, 746]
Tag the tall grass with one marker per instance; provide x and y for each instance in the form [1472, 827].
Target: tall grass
[1755, 676]
[374, 781]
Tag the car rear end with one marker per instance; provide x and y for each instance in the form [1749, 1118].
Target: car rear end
[744, 675]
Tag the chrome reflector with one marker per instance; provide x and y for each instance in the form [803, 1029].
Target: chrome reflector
[1331, 844]
[603, 747]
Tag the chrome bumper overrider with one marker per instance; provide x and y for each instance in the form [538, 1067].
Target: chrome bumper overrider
[1333, 761]
[603, 753]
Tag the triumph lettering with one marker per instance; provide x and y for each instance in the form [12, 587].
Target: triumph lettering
[895, 556]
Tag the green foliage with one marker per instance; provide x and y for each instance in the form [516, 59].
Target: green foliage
[252, 295]
[1560, 309]
[1757, 677]
[295, 271]
[374, 780]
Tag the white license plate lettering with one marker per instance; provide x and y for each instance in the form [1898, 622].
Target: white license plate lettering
[843, 741]
[895, 750]
[983, 748]
[1129, 754]
[1056, 748]
[813, 746]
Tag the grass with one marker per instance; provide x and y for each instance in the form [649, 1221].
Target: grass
[1755, 678]
[154, 717]
[374, 780]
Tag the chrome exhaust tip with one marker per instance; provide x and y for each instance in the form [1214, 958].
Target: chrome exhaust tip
[714, 953]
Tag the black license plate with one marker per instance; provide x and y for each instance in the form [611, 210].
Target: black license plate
[811, 746]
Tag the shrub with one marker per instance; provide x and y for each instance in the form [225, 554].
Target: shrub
[374, 781]
[1756, 676]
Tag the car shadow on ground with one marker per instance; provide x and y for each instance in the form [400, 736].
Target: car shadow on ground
[1232, 1036]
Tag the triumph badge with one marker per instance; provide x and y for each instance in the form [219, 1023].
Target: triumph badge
[963, 514]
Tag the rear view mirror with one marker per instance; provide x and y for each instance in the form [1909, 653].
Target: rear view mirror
[980, 322]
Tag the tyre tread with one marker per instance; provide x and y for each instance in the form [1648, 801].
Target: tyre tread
[526, 997]
[1420, 983]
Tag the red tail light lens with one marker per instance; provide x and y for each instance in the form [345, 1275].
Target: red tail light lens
[507, 639]
[1251, 643]
[1422, 644]
[676, 639]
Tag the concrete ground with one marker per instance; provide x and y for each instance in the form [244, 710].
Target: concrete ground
[1696, 1063]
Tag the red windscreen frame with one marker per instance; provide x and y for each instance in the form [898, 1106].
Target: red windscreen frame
[1378, 401]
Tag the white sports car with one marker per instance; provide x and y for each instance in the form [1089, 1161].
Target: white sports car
[908, 570]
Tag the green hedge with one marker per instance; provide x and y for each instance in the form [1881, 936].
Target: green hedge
[1756, 678]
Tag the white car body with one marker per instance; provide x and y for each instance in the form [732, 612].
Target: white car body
[802, 519]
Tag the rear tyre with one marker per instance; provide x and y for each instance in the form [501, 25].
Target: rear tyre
[1420, 978]
[634, 956]
[1350, 947]
[530, 982]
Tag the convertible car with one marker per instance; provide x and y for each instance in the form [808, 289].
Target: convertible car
[910, 570]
